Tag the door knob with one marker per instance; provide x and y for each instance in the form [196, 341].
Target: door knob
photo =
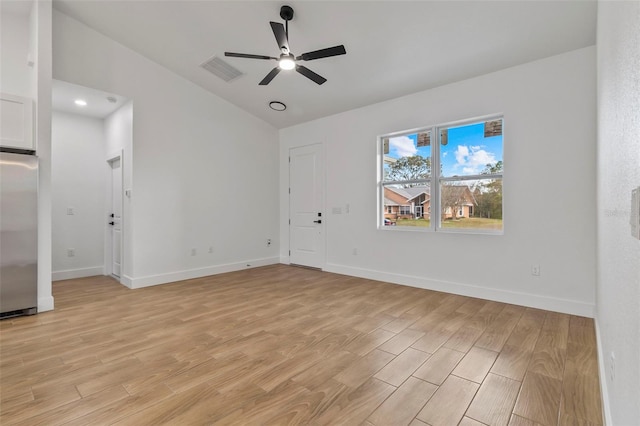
[111, 223]
[317, 221]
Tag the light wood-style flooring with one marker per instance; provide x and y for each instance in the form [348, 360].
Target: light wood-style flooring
[284, 345]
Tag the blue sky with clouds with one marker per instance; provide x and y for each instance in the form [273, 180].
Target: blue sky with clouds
[466, 153]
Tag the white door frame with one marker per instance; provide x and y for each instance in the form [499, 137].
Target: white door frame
[322, 179]
[108, 259]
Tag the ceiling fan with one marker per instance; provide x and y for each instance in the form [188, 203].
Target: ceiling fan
[288, 61]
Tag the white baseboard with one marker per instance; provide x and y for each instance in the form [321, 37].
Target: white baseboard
[566, 306]
[77, 273]
[126, 281]
[151, 280]
[602, 369]
[45, 304]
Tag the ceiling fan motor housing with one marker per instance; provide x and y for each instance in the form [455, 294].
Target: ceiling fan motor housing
[286, 13]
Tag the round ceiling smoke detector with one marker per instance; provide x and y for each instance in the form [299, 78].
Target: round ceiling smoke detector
[277, 106]
[112, 99]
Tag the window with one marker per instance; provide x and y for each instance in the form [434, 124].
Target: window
[456, 168]
[405, 210]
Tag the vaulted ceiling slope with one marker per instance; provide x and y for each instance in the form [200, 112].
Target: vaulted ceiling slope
[394, 48]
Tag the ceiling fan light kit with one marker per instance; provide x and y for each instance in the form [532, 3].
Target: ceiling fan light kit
[287, 60]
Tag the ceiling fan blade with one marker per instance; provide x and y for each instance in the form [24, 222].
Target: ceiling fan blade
[322, 53]
[269, 76]
[281, 36]
[246, 55]
[310, 74]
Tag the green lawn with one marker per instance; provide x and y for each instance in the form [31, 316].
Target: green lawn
[472, 222]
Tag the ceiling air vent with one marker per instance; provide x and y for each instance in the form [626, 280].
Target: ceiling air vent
[220, 68]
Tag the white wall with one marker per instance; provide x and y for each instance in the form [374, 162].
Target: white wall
[205, 172]
[549, 155]
[118, 128]
[618, 282]
[41, 32]
[78, 180]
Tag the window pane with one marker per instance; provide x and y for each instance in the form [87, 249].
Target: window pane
[471, 204]
[407, 157]
[407, 205]
[471, 149]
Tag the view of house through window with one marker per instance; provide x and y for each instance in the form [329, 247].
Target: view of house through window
[452, 181]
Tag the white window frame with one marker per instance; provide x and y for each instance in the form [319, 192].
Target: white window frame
[435, 179]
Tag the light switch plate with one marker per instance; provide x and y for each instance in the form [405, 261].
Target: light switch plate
[634, 220]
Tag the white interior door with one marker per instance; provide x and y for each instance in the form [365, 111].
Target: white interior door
[115, 219]
[306, 194]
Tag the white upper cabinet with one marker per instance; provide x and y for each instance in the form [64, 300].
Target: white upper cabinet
[16, 122]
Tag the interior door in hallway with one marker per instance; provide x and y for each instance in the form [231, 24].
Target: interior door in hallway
[115, 221]
[306, 215]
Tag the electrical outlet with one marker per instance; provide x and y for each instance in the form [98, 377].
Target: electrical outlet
[210, 249]
[535, 270]
[70, 211]
[194, 252]
[268, 242]
[612, 366]
[71, 252]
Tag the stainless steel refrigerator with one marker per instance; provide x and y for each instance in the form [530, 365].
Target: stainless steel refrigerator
[18, 233]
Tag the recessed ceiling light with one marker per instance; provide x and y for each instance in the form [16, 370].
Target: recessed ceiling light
[80, 102]
[277, 106]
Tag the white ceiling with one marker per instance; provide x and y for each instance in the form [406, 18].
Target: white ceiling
[65, 94]
[393, 48]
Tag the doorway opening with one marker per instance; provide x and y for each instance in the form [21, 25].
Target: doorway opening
[91, 167]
